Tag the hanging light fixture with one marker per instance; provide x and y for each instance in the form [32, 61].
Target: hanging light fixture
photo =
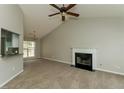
[33, 35]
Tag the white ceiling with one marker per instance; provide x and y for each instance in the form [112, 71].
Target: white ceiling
[36, 16]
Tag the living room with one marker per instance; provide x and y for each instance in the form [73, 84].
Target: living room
[62, 46]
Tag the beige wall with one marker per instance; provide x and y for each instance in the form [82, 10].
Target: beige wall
[106, 35]
[11, 18]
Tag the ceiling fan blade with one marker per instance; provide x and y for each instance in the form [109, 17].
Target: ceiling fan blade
[55, 6]
[54, 14]
[63, 18]
[72, 14]
[70, 6]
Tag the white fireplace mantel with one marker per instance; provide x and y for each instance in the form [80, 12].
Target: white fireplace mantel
[84, 50]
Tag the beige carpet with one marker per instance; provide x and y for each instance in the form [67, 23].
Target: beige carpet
[48, 74]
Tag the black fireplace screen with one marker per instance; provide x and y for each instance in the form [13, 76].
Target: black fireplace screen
[83, 60]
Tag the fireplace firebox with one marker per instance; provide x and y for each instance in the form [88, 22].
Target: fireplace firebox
[83, 60]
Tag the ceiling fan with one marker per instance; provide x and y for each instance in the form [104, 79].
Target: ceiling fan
[64, 10]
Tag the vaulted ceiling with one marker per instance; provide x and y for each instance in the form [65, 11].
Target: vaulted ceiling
[36, 16]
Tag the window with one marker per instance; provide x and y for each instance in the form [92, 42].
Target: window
[28, 49]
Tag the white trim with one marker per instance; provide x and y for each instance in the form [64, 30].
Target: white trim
[66, 62]
[11, 78]
[84, 50]
[100, 69]
[30, 60]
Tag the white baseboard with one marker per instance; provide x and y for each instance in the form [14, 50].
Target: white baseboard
[11, 78]
[66, 62]
[104, 70]
[30, 60]
[99, 69]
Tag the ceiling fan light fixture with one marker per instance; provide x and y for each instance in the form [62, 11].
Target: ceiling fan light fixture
[64, 11]
[63, 14]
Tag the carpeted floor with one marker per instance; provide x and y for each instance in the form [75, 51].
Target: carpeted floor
[45, 74]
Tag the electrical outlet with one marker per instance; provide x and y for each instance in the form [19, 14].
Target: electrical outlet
[100, 64]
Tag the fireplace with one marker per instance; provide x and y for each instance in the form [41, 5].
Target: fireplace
[83, 60]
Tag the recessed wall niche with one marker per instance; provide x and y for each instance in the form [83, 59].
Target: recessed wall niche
[9, 43]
